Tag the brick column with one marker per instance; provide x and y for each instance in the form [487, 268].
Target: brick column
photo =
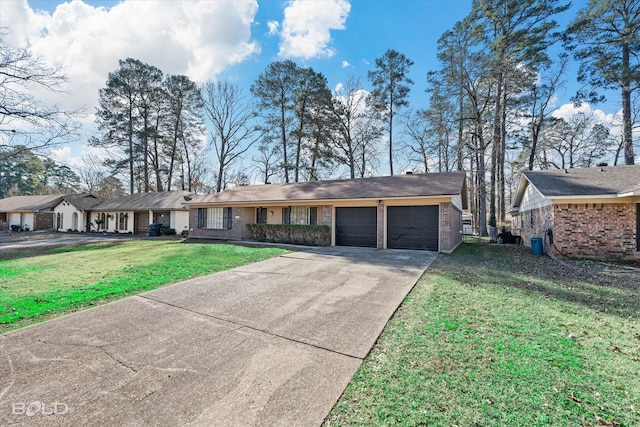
[380, 226]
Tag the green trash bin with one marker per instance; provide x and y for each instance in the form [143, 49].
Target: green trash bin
[536, 246]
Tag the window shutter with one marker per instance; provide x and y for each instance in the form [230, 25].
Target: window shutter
[199, 217]
[228, 219]
[313, 215]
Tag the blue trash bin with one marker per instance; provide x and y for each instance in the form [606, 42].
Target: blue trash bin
[536, 246]
[154, 230]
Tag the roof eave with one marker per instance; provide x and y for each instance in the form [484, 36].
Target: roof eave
[582, 197]
[324, 201]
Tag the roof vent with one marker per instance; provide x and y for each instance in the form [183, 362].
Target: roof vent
[409, 173]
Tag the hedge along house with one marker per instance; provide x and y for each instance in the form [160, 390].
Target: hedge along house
[134, 213]
[586, 212]
[27, 212]
[414, 211]
[72, 212]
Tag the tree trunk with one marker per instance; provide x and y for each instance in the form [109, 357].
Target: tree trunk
[627, 135]
[283, 135]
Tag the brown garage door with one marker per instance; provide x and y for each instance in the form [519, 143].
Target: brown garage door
[413, 227]
[356, 227]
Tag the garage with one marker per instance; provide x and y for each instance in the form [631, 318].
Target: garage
[356, 227]
[413, 227]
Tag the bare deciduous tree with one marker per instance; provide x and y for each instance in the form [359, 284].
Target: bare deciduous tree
[26, 122]
[233, 131]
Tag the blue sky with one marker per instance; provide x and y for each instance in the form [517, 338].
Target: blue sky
[234, 40]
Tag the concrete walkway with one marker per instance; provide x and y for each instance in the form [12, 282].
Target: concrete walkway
[271, 343]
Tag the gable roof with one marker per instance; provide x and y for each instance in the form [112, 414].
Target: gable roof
[605, 181]
[164, 200]
[398, 186]
[82, 202]
[28, 203]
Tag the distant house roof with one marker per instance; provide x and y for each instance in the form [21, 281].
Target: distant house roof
[164, 200]
[28, 203]
[399, 186]
[82, 202]
[605, 181]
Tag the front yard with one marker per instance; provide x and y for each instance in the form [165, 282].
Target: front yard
[35, 286]
[493, 336]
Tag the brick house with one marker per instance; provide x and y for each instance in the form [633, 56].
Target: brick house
[586, 212]
[413, 211]
[27, 212]
[134, 213]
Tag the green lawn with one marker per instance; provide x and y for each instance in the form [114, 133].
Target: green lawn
[494, 336]
[38, 286]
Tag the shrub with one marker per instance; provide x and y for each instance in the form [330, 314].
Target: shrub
[310, 235]
[166, 231]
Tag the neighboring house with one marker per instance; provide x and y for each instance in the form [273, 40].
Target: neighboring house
[134, 213]
[27, 212]
[72, 212]
[588, 212]
[414, 211]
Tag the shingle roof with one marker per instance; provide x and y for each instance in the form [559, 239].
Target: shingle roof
[595, 181]
[399, 186]
[82, 202]
[165, 200]
[28, 203]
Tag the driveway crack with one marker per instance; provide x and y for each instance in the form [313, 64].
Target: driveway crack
[99, 347]
[252, 328]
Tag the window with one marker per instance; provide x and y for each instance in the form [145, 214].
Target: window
[123, 221]
[300, 215]
[215, 218]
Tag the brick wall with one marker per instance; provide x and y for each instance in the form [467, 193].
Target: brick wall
[450, 227]
[43, 221]
[596, 230]
[380, 226]
[237, 231]
[324, 217]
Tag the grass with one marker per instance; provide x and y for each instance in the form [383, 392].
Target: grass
[38, 286]
[493, 336]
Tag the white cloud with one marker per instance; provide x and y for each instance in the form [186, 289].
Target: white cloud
[306, 27]
[198, 38]
[345, 64]
[274, 26]
[566, 111]
[76, 157]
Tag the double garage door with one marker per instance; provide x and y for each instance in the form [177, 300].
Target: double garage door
[408, 227]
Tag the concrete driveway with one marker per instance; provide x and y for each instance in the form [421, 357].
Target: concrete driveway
[271, 343]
